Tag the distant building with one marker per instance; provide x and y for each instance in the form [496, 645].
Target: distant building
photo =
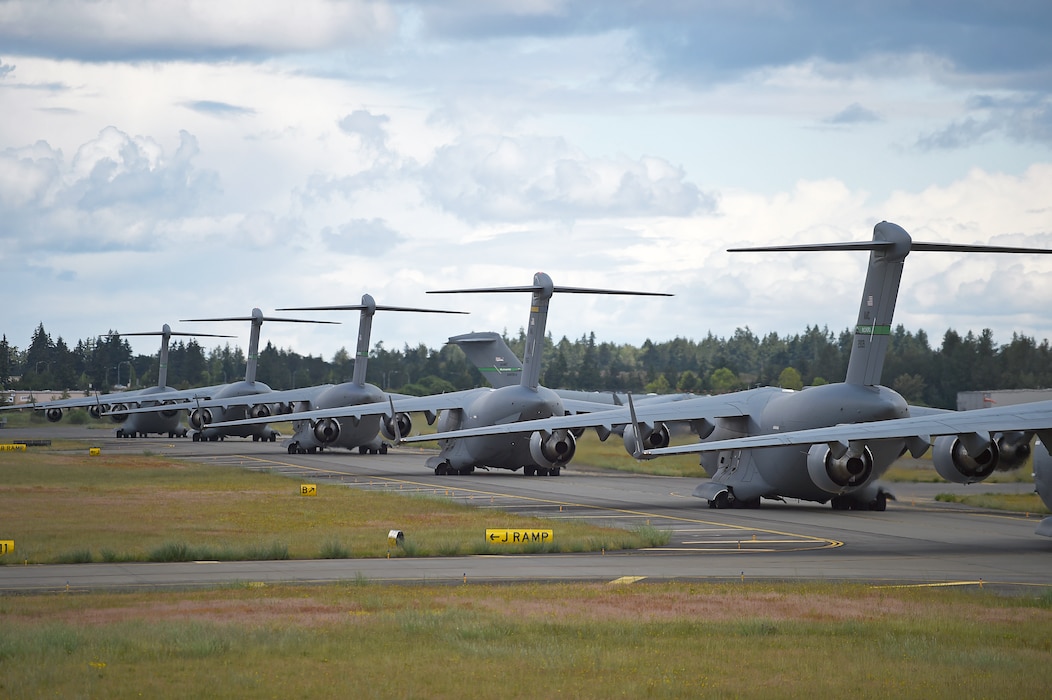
[969, 400]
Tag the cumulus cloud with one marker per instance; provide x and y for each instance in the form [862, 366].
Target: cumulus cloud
[113, 191]
[531, 177]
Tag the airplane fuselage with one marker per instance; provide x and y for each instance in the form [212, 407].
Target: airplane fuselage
[363, 433]
[788, 471]
[492, 407]
[163, 421]
[230, 413]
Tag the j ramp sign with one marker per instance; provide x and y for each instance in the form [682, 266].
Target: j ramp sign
[518, 536]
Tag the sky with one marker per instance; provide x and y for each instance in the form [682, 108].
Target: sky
[164, 160]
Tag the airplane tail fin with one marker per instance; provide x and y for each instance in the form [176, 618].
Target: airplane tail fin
[541, 290]
[256, 319]
[491, 356]
[166, 333]
[368, 309]
[888, 250]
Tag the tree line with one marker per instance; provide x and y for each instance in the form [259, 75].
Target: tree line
[922, 374]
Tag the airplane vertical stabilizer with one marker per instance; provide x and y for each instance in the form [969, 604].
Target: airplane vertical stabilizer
[888, 250]
[881, 290]
[491, 356]
[368, 309]
[256, 319]
[541, 291]
[166, 334]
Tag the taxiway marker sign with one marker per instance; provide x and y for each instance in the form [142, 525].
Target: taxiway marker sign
[518, 536]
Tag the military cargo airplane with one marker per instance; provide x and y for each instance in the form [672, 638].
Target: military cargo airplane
[844, 474]
[115, 405]
[201, 417]
[968, 445]
[534, 453]
[310, 437]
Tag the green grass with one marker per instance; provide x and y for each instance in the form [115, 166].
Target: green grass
[71, 507]
[1016, 502]
[662, 640]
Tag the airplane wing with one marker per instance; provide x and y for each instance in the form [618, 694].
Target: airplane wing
[405, 404]
[269, 397]
[120, 397]
[423, 404]
[604, 418]
[1031, 417]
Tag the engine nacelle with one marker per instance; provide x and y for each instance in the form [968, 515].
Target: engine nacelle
[260, 410]
[54, 415]
[1043, 474]
[1014, 449]
[200, 417]
[169, 412]
[837, 476]
[327, 430]
[405, 426]
[962, 465]
[95, 411]
[118, 414]
[652, 437]
[555, 449]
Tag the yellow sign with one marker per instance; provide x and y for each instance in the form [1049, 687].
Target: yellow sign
[16, 447]
[309, 490]
[518, 536]
[6, 547]
[94, 451]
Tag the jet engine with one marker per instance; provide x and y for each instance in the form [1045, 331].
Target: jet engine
[117, 414]
[200, 417]
[553, 449]
[95, 411]
[1014, 448]
[170, 412]
[54, 415]
[327, 430]
[965, 459]
[651, 438]
[841, 475]
[405, 426]
[260, 410]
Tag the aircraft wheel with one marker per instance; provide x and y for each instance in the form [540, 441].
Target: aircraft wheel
[184, 433]
[273, 437]
[879, 503]
[555, 472]
[293, 447]
[383, 449]
[120, 433]
[529, 471]
[442, 469]
[721, 501]
[197, 437]
[255, 438]
[840, 503]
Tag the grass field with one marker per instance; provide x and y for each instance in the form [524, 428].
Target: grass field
[71, 507]
[525, 641]
[360, 639]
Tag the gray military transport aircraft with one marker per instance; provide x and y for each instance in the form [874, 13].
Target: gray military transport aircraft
[536, 452]
[840, 472]
[117, 405]
[967, 448]
[201, 417]
[365, 434]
